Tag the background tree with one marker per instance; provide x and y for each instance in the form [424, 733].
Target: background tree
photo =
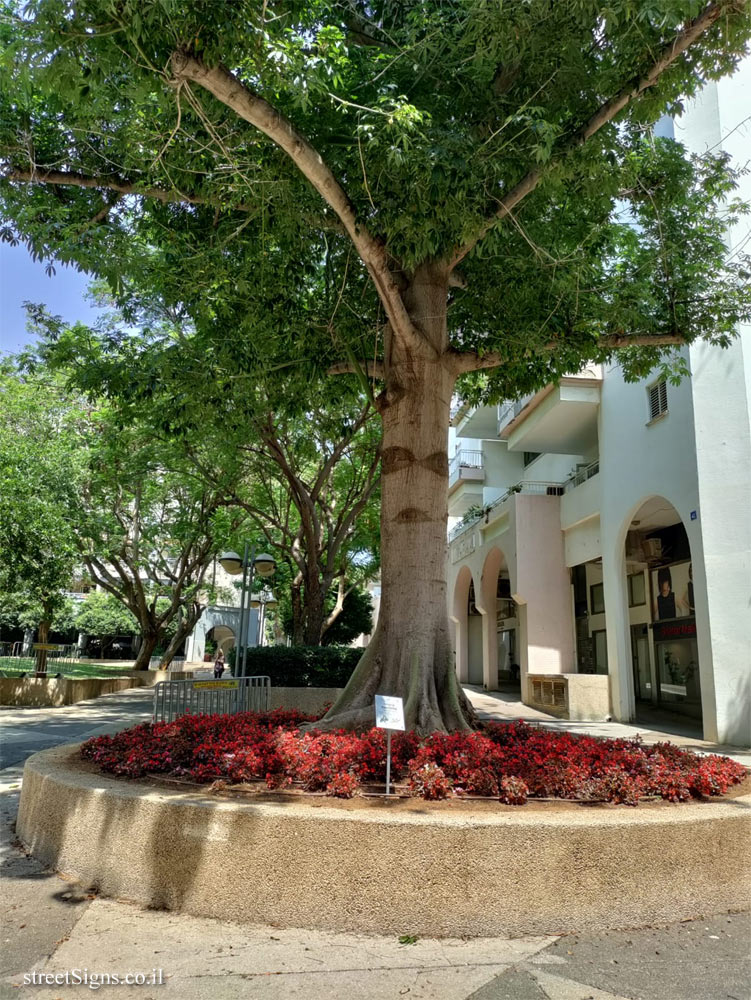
[104, 617]
[20, 612]
[40, 470]
[121, 500]
[149, 531]
[331, 166]
[305, 476]
[356, 619]
[310, 486]
[100, 614]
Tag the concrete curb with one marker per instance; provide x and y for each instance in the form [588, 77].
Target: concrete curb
[423, 872]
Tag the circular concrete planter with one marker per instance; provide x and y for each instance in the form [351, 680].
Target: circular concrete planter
[426, 872]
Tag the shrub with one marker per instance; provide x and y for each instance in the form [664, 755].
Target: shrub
[514, 791]
[303, 666]
[343, 786]
[613, 785]
[506, 761]
[429, 781]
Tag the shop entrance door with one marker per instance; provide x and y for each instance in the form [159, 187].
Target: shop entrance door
[640, 655]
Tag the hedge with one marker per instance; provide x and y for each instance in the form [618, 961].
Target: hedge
[303, 666]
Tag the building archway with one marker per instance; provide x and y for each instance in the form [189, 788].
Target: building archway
[500, 635]
[223, 636]
[655, 633]
[460, 618]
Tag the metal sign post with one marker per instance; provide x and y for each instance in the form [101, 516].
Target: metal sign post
[389, 714]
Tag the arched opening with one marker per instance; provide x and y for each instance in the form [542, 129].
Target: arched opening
[460, 618]
[659, 588]
[220, 637]
[501, 635]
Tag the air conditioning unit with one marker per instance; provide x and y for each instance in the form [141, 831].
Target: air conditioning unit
[652, 548]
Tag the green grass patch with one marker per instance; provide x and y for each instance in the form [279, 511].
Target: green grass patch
[13, 666]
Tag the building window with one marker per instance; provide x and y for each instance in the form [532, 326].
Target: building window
[658, 399]
[599, 641]
[636, 592]
[530, 456]
[596, 599]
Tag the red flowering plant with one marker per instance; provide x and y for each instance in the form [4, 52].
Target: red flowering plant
[506, 761]
[343, 786]
[429, 781]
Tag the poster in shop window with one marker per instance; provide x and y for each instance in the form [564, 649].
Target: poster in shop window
[672, 592]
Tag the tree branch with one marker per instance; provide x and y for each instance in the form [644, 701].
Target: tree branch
[227, 89]
[110, 182]
[374, 369]
[604, 114]
[471, 361]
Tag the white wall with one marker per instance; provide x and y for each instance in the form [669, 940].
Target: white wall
[551, 468]
[721, 387]
[503, 469]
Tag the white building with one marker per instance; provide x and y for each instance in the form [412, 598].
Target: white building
[607, 542]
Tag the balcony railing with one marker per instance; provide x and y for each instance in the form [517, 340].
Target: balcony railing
[541, 489]
[511, 409]
[465, 460]
[582, 474]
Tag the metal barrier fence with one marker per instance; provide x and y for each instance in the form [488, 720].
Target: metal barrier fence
[176, 663]
[60, 660]
[210, 697]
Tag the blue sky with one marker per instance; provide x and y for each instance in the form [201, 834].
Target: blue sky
[22, 280]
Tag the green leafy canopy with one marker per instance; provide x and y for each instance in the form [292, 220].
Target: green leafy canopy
[427, 114]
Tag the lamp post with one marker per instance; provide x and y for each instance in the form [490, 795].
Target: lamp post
[264, 565]
[264, 600]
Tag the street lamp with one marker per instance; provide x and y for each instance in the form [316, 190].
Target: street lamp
[262, 564]
[263, 600]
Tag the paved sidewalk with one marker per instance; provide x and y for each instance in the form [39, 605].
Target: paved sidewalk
[26, 730]
[504, 707]
[50, 925]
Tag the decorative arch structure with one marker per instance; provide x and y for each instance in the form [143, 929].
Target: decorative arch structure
[665, 657]
[223, 636]
[495, 562]
[460, 617]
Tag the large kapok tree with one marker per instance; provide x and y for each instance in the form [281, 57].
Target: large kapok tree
[476, 181]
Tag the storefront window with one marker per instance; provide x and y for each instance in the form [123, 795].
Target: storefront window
[636, 592]
[599, 639]
[597, 599]
[678, 675]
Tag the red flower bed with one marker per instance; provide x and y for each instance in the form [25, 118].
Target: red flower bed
[506, 761]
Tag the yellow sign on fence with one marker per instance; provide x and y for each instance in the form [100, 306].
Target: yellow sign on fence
[50, 647]
[213, 685]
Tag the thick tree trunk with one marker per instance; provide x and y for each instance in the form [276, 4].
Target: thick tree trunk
[148, 645]
[298, 623]
[314, 612]
[184, 629]
[410, 654]
[43, 636]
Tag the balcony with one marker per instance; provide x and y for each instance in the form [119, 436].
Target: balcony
[511, 409]
[559, 419]
[478, 422]
[490, 512]
[582, 474]
[466, 476]
[582, 497]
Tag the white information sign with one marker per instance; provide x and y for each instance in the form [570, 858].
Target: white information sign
[389, 712]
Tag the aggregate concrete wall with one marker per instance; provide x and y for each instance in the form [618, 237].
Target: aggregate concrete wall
[309, 700]
[54, 692]
[420, 871]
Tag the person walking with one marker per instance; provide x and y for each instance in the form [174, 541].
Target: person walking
[219, 664]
